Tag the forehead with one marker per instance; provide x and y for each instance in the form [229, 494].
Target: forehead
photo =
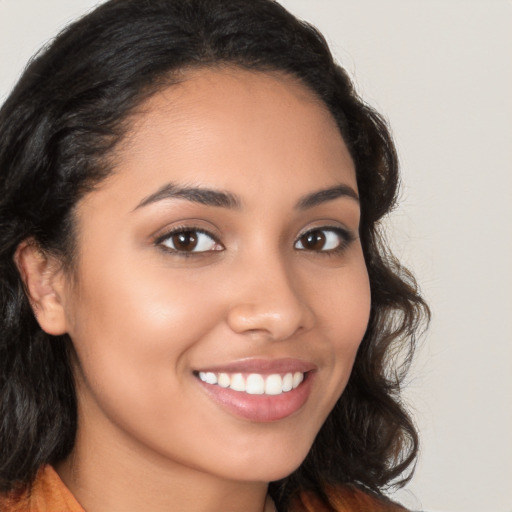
[234, 129]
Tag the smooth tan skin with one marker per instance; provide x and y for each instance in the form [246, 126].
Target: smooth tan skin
[142, 318]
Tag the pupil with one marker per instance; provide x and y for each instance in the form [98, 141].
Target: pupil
[315, 240]
[185, 241]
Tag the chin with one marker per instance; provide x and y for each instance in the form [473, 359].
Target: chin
[268, 468]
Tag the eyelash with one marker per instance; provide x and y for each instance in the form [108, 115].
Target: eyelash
[160, 241]
[345, 239]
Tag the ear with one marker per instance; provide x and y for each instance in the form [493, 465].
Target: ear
[43, 277]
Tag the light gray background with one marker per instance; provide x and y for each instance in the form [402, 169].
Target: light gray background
[440, 70]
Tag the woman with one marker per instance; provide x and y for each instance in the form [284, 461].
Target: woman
[197, 310]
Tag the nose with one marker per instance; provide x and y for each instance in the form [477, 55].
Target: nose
[269, 302]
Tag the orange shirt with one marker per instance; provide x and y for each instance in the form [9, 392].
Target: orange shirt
[344, 499]
[49, 494]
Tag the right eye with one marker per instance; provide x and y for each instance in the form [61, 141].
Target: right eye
[189, 241]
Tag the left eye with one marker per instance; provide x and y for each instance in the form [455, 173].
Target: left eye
[190, 240]
[325, 239]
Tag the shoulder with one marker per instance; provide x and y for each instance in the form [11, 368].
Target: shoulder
[46, 494]
[14, 501]
[346, 498]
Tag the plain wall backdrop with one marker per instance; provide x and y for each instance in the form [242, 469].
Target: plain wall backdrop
[440, 71]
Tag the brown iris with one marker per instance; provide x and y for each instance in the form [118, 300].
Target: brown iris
[313, 240]
[185, 240]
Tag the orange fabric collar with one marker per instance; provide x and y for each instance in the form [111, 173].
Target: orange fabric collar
[47, 494]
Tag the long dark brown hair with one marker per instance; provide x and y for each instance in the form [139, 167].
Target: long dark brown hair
[58, 128]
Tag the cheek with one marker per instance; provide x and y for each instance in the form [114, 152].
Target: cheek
[135, 331]
[344, 300]
[344, 313]
[136, 297]
[133, 324]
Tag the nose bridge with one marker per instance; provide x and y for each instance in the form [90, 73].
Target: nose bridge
[268, 298]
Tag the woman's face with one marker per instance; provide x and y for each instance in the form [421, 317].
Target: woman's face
[221, 255]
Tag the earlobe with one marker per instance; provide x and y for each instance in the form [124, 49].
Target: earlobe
[42, 276]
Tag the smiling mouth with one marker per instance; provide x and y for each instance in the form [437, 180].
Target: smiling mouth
[254, 383]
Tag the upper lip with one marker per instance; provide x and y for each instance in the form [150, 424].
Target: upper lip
[262, 366]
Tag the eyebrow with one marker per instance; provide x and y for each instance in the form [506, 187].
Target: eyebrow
[325, 195]
[200, 195]
[223, 199]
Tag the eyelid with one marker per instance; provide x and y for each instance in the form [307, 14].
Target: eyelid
[160, 239]
[346, 236]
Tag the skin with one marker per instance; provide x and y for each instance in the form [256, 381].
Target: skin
[143, 317]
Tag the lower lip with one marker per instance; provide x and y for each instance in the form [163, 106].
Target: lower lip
[261, 408]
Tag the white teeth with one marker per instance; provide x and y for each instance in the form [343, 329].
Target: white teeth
[298, 377]
[274, 385]
[224, 380]
[211, 378]
[287, 382]
[237, 382]
[255, 383]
